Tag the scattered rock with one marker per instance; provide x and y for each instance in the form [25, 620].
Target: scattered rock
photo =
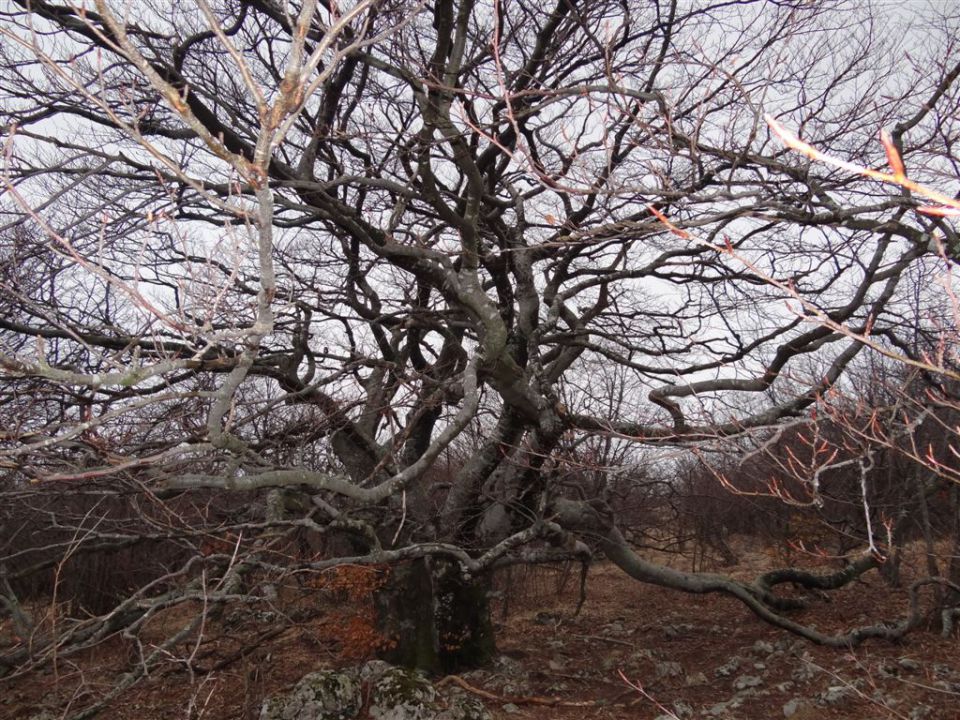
[697, 679]
[941, 671]
[682, 710]
[800, 709]
[546, 618]
[950, 687]
[836, 694]
[791, 707]
[615, 628]
[921, 712]
[805, 671]
[510, 708]
[908, 665]
[762, 647]
[728, 668]
[678, 630]
[718, 709]
[723, 709]
[667, 669]
[610, 662]
[882, 700]
[888, 670]
[786, 643]
[747, 681]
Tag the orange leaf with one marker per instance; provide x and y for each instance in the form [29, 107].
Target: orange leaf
[663, 218]
[893, 156]
[939, 210]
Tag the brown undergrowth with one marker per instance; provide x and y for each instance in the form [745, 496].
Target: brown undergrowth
[552, 662]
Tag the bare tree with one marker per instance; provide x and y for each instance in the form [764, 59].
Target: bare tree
[301, 254]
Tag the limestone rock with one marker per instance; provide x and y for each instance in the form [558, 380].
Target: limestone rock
[323, 695]
[667, 669]
[908, 665]
[394, 694]
[728, 668]
[762, 647]
[747, 681]
[799, 709]
[401, 694]
[836, 694]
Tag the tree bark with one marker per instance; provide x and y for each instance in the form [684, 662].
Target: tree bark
[435, 618]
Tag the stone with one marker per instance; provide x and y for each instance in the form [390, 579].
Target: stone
[696, 679]
[394, 694]
[402, 694]
[804, 672]
[463, 707]
[883, 700]
[615, 628]
[887, 670]
[667, 669]
[791, 707]
[836, 694]
[940, 670]
[728, 668]
[718, 709]
[785, 644]
[322, 695]
[908, 665]
[762, 647]
[678, 630]
[373, 669]
[510, 709]
[723, 709]
[747, 681]
[800, 709]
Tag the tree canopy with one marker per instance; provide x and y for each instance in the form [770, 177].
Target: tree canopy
[408, 272]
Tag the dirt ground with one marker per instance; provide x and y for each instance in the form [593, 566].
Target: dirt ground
[685, 657]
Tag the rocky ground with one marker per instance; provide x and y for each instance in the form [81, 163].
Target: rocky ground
[632, 652]
[646, 654]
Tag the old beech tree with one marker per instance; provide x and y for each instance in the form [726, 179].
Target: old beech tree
[370, 267]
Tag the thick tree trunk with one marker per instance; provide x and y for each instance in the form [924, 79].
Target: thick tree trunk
[435, 619]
